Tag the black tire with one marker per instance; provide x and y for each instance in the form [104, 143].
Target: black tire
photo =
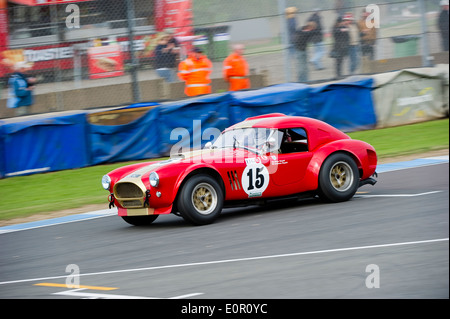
[338, 178]
[200, 201]
[140, 220]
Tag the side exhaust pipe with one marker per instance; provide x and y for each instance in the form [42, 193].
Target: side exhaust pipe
[370, 180]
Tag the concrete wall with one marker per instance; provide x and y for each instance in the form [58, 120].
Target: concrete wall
[387, 65]
[115, 95]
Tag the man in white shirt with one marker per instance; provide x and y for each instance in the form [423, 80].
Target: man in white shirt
[354, 48]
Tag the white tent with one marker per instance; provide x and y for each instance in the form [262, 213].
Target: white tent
[411, 95]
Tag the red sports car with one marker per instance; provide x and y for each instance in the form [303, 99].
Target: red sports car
[264, 157]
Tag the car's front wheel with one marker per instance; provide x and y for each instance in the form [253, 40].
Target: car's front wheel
[140, 220]
[338, 178]
[200, 201]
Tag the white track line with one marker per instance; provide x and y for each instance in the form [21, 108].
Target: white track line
[79, 293]
[395, 195]
[215, 262]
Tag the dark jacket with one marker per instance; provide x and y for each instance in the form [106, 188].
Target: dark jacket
[341, 39]
[302, 38]
[165, 59]
[317, 32]
[292, 27]
[443, 23]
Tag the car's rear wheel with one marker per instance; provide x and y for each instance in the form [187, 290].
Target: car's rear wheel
[200, 201]
[140, 220]
[338, 178]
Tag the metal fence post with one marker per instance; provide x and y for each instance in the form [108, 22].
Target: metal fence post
[284, 39]
[134, 60]
[57, 73]
[426, 59]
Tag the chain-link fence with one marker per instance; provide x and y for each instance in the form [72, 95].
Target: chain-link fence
[95, 53]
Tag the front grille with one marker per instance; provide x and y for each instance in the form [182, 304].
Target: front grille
[131, 203]
[128, 190]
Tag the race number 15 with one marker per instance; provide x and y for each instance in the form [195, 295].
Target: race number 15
[259, 178]
[255, 179]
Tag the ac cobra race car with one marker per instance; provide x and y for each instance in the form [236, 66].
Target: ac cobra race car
[264, 157]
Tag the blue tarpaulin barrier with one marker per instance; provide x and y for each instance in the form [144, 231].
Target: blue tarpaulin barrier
[346, 105]
[2, 151]
[43, 144]
[136, 140]
[190, 124]
[137, 105]
[288, 98]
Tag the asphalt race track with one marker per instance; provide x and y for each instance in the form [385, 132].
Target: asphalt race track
[390, 241]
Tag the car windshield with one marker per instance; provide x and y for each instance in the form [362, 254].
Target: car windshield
[252, 139]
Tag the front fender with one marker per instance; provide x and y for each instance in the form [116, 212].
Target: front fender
[189, 171]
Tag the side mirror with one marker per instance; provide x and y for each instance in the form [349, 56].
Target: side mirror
[271, 142]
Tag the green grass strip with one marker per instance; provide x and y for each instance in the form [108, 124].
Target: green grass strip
[407, 139]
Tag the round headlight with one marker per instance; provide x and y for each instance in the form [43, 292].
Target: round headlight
[106, 182]
[154, 179]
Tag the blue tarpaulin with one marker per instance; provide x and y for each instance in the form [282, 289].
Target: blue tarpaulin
[191, 123]
[136, 140]
[288, 98]
[2, 151]
[43, 144]
[137, 105]
[346, 105]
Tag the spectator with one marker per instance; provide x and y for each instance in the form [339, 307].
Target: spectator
[235, 69]
[173, 45]
[341, 44]
[21, 88]
[368, 36]
[317, 40]
[354, 42]
[195, 71]
[443, 24]
[292, 28]
[166, 54]
[303, 37]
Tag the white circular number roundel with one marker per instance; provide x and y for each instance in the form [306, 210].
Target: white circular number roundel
[255, 179]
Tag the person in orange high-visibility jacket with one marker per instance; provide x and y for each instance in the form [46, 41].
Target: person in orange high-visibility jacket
[195, 71]
[235, 69]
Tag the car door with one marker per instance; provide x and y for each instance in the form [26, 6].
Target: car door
[290, 164]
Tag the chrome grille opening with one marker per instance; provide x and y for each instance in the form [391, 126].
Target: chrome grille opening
[128, 190]
[131, 203]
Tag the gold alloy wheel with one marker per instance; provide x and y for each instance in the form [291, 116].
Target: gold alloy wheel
[204, 198]
[341, 176]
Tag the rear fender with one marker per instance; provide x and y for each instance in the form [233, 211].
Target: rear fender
[356, 149]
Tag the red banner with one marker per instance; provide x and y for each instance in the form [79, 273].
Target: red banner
[105, 61]
[3, 25]
[44, 2]
[4, 43]
[173, 14]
